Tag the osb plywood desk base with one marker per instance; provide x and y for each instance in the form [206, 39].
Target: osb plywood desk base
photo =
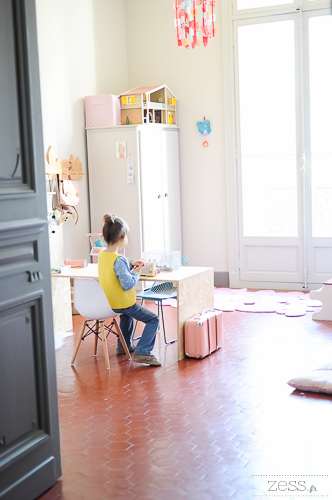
[194, 289]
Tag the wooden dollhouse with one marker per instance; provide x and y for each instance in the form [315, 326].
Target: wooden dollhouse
[146, 105]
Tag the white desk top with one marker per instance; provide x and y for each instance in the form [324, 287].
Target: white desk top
[181, 274]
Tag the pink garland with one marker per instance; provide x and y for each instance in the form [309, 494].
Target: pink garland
[188, 30]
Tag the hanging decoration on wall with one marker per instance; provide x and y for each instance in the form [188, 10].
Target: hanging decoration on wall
[194, 22]
[204, 128]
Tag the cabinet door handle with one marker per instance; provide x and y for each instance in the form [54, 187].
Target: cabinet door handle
[166, 195]
[159, 195]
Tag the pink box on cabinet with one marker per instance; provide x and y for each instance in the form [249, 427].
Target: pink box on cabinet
[102, 110]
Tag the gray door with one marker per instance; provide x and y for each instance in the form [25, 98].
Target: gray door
[29, 427]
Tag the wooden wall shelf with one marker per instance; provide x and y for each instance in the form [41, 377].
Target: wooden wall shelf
[63, 168]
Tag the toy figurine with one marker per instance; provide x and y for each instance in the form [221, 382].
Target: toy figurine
[204, 127]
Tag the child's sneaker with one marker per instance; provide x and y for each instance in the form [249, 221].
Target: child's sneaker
[146, 360]
[120, 350]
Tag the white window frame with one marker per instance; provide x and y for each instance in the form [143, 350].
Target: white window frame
[265, 11]
[316, 4]
[229, 13]
[277, 9]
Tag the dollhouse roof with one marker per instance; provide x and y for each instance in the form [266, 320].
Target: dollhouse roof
[145, 90]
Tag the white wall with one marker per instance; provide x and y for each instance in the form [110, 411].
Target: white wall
[110, 46]
[195, 76]
[91, 47]
[82, 51]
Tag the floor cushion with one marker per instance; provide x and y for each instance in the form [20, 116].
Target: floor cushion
[316, 380]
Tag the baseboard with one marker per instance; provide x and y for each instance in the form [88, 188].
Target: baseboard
[221, 279]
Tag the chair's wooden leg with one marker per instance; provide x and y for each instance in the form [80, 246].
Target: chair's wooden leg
[96, 339]
[103, 338]
[78, 343]
[122, 340]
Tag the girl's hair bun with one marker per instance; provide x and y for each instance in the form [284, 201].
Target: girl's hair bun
[114, 228]
[108, 219]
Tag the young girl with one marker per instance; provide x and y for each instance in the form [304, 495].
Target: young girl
[118, 282]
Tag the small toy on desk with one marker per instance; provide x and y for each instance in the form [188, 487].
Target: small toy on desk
[65, 269]
[149, 269]
[165, 261]
[76, 263]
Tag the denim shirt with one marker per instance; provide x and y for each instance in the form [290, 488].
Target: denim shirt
[127, 279]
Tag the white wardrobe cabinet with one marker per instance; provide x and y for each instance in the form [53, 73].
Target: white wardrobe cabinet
[151, 203]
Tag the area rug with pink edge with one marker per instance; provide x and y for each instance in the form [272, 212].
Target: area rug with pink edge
[291, 304]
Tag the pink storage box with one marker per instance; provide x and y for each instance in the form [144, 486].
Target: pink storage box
[102, 110]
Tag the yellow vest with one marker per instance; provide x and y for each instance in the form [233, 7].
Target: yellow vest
[117, 297]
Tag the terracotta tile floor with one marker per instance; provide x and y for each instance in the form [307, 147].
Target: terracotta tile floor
[218, 428]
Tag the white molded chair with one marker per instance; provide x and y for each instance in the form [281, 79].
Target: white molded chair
[91, 303]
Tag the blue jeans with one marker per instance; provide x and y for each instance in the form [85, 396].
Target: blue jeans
[140, 313]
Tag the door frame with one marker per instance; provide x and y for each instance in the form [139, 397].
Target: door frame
[314, 245]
